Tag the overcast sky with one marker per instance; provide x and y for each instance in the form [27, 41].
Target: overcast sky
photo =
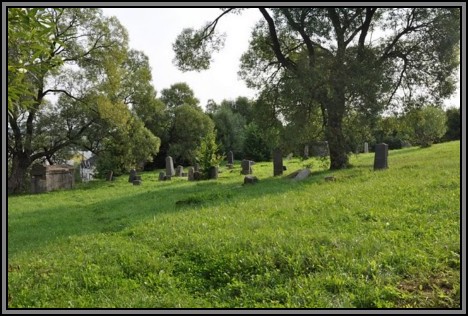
[154, 30]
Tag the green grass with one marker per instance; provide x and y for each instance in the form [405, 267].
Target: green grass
[384, 239]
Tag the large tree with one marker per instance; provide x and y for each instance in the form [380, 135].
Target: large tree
[360, 59]
[83, 60]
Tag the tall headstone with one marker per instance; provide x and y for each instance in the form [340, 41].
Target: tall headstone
[306, 151]
[230, 158]
[169, 167]
[277, 162]
[366, 147]
[110, 176]
[190, 174]
[381, 156]
[132, 176]
[179, 171]
[196, 167]
[246, 167]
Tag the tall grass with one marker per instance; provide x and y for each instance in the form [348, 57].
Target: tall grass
[370, 239]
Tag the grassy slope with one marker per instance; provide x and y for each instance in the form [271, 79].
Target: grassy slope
[370, 239]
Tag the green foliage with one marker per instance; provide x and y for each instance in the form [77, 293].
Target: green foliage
[207, 155]
[279, 244]
[453, 124]
[255, 146]
[426, 125]
[229, 130]
[179, 94]
[190, 127]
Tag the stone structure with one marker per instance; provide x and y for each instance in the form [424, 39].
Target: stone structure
[320, 149]
[230, 158]
[277, 162]
[169, 167]
[381, 156]
[306, 151]
[49, 178]
[246, 167]
[250, 179]
[302, 174]
[196, 167]
[179, 171]
[110, 176]
[190, 174]
[132, 175]
[213, 172]
[366, 148]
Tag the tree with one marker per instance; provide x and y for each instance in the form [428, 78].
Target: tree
[179, 94]
[453, 124]
[427, 125]
[332, 56]
[190, 127]
[255, 146]
[207, 154]
[90, 81]
[230, 129]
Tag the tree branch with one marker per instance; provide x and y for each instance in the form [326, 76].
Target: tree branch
[286, 62]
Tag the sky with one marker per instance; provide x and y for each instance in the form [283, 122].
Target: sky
[154, 30]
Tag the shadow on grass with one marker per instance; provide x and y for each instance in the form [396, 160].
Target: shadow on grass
[30, 230]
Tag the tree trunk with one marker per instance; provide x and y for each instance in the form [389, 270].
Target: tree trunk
[16, 180]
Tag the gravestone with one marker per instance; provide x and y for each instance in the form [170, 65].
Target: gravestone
[190, 174]
[381, 156]
[246, 167]
[405, 144]
[213, 172]
[133, 173]
[179, 171]
[197, 175]
[110, 176]
[250, 179]
[230, 158]
[277, 162]
[162, 176]
[306, 151]
[169, 167]
[366, 148]
[197, 167]
[302, 174]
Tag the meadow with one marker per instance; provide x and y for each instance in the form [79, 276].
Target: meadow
[370, 239]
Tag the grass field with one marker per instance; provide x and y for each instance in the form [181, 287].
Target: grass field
[384, 239]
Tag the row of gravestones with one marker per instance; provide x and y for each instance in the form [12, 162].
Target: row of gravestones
[194, 174]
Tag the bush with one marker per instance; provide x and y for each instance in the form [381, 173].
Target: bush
[426, 125]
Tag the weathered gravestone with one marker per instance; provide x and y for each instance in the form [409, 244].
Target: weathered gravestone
[230, 163]
[213, 172]
[302, 174]
[381, 156]
[132, 175]
[196, 167]
[246, 167]
[190, 174]
[179, 171]
[277, 162]
[169, 167]
[306, 151]
[366, 148]
[250, 179]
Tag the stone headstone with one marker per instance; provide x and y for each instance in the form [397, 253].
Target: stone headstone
[306, 151]
[289, 156]
[197, 175]
[169, 167]
[133, 173]
[366, 148]
[179, 171]
[277, 162]
[161, 176]
[110, 176]
[302, 174]
[246, 167]
[230, 158]
[213, 172]
[190, 173]
[405, 144]
[381, 156]
[250, 179]
[196, 167]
